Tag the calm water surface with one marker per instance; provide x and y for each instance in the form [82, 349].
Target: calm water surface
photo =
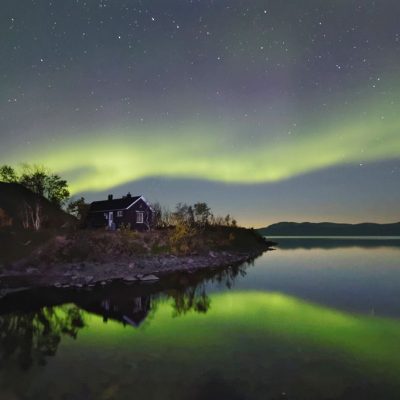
[314, 319]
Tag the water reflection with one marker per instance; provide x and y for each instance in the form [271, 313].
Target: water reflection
[32, 337]
[210, 336]
[332, 242]
[249, 345]
[33, 323]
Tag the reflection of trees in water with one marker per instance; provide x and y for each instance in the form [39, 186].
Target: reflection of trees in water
[31, 337]
[229, 275]
[194, 297]
[34, 336]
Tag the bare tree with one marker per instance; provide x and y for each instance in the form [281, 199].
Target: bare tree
[32, 216]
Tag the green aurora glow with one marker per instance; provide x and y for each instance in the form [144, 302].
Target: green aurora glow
[244, 338]
[111, 157]
[374, 341]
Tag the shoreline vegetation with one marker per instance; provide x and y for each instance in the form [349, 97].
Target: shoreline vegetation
[44, 241]
[86, 258]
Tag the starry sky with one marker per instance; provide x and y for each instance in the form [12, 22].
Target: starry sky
[268, 110]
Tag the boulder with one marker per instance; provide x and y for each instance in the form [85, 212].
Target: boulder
[130, 279]
[148, 278]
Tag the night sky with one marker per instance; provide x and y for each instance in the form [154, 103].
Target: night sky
[268, 110]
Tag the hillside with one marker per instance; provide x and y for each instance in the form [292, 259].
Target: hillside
[18, 206]
[330, 229]
[20, 212]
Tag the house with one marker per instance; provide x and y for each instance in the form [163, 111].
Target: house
[127, 309]
[112, 213]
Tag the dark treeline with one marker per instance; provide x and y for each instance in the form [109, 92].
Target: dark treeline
[198, 215]
[39, 180]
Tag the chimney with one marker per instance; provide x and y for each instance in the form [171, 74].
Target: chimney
[129, 195]
[110, 197]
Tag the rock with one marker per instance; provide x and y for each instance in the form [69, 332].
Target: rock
[57, 284]
[31, 270]
[212, 254]
[103, 283]
[130, 279]
[89, 279]
[131, 265]
[149, 278]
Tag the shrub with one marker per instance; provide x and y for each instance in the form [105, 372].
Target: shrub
[181, 238]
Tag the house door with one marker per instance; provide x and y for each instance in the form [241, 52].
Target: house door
[110, 219]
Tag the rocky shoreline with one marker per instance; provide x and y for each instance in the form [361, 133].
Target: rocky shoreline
[143, 269]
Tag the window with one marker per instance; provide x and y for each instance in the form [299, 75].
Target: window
[105, 215]
[139, 217]
[120, 213]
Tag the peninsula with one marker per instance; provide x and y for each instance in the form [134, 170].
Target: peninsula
[43, 245]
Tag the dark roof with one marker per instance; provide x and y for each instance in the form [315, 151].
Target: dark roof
[115, 204]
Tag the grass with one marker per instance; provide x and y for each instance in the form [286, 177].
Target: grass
[104, 246]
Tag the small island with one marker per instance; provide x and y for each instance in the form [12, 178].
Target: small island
[48, 241]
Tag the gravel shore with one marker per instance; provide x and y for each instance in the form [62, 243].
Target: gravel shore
[143, 269]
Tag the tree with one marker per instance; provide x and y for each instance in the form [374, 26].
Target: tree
[34, 178]
[32, 216]
[8, 174]
[166, 217]
[40, 181]
[180, 214]
[56, 190]
[202, 213]
[190, 216]
[157, 215]
[79, 208]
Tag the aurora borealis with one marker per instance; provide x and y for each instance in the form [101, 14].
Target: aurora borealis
[267, 110]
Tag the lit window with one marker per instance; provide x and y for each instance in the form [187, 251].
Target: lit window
[120, 214]
[139, 217]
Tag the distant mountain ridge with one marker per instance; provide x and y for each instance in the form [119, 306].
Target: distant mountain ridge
[330, 229]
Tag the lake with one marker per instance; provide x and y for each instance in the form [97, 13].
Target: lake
[317, 318]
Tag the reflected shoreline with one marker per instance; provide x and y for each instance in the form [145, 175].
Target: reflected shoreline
[287, 330]
[31, 328]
